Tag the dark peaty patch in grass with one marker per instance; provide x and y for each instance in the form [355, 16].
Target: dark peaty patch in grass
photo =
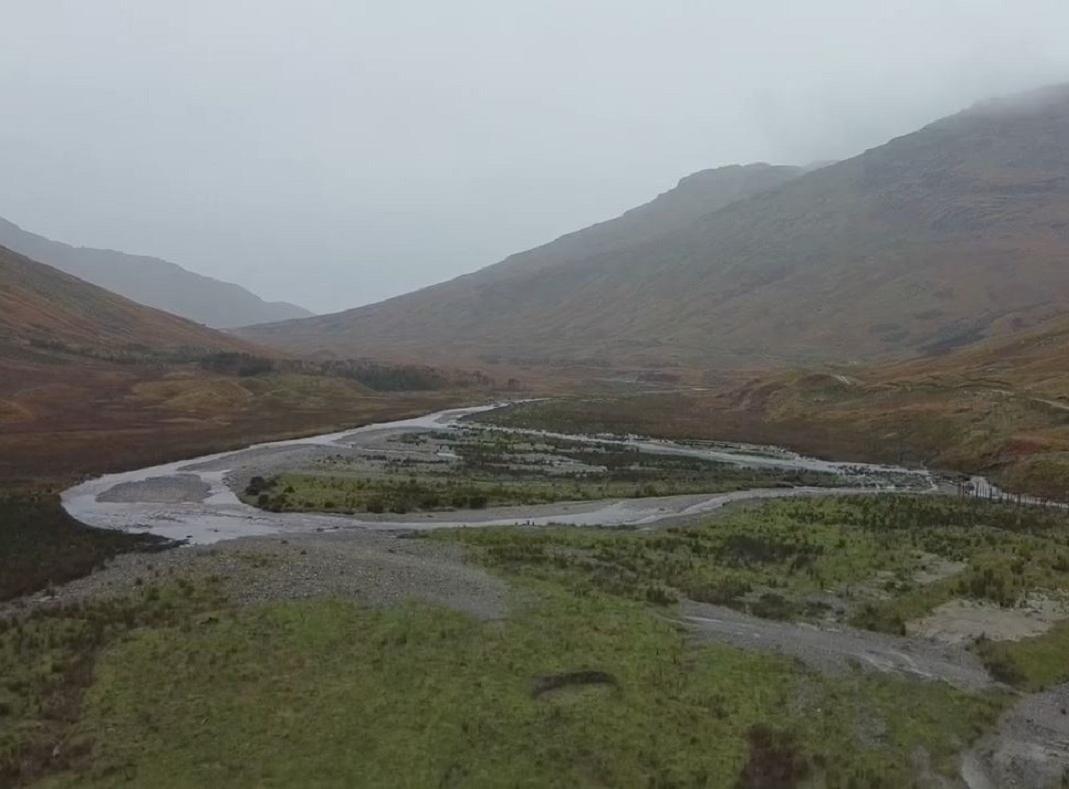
[548, 684]
[40, 544]
[775, 760]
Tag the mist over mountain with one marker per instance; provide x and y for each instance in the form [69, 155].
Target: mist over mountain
[696, 195]
[931, 241]
[152, 281]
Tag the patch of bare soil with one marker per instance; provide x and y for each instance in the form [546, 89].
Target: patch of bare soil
[1029, 750]
[963, 621]
[775, 760]
[573, 682]
[836, 649]
[159, 490]
[374, 568]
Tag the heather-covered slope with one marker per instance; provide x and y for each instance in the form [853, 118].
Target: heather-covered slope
[469, 306]
[929, 242]
[43, 307]
[153, 282]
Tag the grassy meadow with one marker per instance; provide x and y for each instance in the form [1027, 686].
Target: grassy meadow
[586, 681]
[864, 560]
[172, 688]
[500, 469]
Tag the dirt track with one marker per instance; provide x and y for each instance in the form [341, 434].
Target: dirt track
[375, 568]
[839, 649]
[1030, 748]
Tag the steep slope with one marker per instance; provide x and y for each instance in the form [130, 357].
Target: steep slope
[92, 382]
[693, 197]
[43, 307]
[934, 240]
[153, 282]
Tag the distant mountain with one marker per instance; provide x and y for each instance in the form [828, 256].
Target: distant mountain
[153, 282]
[932, 241]
[693, 197]
[42, 307]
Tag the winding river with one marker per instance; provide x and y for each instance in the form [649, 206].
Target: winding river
[190, 500]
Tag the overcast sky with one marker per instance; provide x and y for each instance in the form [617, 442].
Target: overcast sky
[336, 152]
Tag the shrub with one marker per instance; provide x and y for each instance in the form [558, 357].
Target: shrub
[878, 618]
[258, 485]
[659, 595]
[724, 591]
[774, 606]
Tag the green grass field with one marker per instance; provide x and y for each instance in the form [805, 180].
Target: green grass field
[586, 682]
[871, 552]
[571, 690]
[498, 469]
[1031, 664]
[397, 493]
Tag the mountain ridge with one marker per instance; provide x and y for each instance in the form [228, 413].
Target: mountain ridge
[45, 308]
[152, 281]
[931, 241]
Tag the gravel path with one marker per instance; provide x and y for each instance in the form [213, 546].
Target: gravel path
[379, 569]
[839, 649]
[1030, 750]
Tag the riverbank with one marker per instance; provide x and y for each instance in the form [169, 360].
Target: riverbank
[812, 603]
[195, 500]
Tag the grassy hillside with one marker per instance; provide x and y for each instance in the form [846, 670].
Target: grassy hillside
[44, 308]
[929, 242]
[485, 299]
[73, 416]
[90, 382]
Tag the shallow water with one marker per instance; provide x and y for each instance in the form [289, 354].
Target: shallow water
[213, 512]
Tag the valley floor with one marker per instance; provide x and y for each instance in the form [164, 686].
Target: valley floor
[522, 655]
[832, 640]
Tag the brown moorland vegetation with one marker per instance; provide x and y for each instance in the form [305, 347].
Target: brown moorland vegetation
[1000, 408]
[60, 421]
[151, 281]
[43, 308]
[92, 382]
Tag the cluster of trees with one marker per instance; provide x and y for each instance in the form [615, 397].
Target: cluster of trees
[374, 375]
[129, 353]
[375, 496]
[237, 363]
